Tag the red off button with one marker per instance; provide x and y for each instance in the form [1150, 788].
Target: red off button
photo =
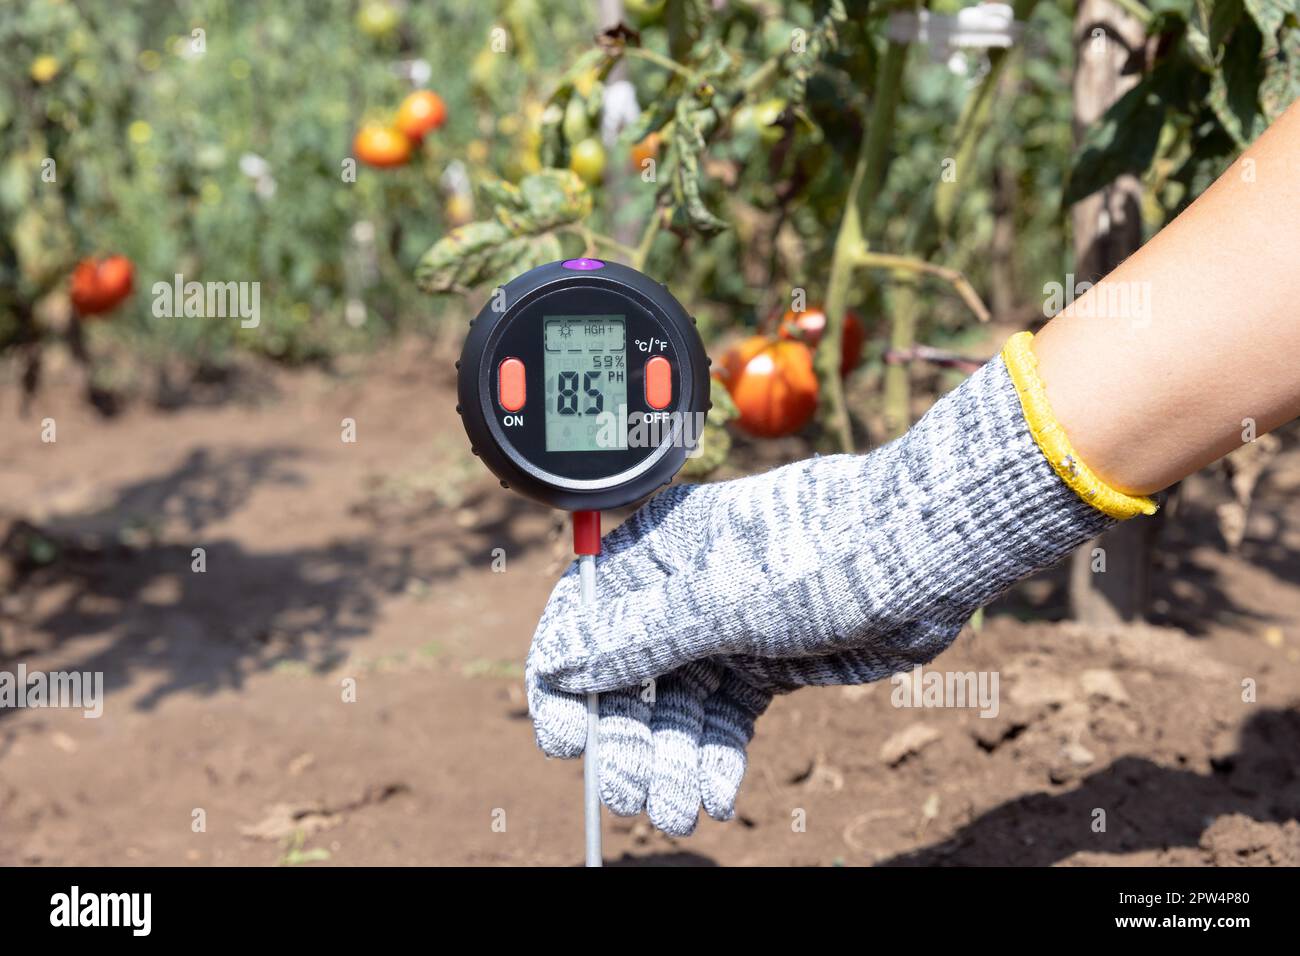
[658, 382]
[510, 384]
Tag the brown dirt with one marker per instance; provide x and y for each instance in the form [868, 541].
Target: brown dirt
[372, 561]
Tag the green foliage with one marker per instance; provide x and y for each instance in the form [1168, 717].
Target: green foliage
[703, 78]
[715, 440]
[524, 234]
[220, 156]
[226, 163]
[1222, 71]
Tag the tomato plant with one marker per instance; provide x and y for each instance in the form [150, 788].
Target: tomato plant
[799, 148]
[206, 139]
[806, 151]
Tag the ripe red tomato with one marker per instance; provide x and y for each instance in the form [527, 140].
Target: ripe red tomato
[807, 326]
[99, 286]
[381, 146]
[116, 278]
[773, 385]
[421, 112]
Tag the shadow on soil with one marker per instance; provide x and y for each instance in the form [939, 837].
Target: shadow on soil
[118, 571]
[1146, 806]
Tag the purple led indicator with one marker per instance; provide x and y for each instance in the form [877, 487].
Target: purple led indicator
[583, 265]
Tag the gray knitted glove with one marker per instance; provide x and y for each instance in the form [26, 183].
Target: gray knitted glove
[666, 748]
[836, 570]
[886, 555]
[683, 746]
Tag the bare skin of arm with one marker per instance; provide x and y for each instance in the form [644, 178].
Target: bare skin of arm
[1149, 397]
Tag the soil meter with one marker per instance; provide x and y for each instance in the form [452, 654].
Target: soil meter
[583, 384]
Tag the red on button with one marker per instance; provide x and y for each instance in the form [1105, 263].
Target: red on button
[658, 382]
[510, 384]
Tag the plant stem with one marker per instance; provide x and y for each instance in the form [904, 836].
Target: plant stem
[913, 267]
[659, 60]
[905, 308]
[761, 78]
[642, 251]
[926, 237]
[971, 126]
[595, 240]
[850, 242]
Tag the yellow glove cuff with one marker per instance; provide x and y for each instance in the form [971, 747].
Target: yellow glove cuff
[1050, 436]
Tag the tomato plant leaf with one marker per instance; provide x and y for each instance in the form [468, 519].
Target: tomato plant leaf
[1123, 141]
[521, 236]
[1198, 45]
[544, 200]
[1281, 84]
[1234, 90]
[692, 126]
[821, 42]
[1209, 156]
[1224, 17]
[1268, 16]
[479, 253]
[685, 19]
[723, 408]
[552, 197]
[715, 440]
[461, 258]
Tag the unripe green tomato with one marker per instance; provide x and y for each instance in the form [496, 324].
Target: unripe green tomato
[376, 18]
[587, 159]
[766, 114]
[643, 13]
[576, 128]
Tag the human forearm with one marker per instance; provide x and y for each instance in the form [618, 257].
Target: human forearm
[1150, 396]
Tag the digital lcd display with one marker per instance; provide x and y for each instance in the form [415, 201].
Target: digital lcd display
[586, 375]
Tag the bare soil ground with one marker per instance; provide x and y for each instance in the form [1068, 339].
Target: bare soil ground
[372, 562]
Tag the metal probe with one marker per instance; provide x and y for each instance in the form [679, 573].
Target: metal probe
[586, 543]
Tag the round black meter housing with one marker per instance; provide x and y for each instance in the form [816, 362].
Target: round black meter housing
[583, 384]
